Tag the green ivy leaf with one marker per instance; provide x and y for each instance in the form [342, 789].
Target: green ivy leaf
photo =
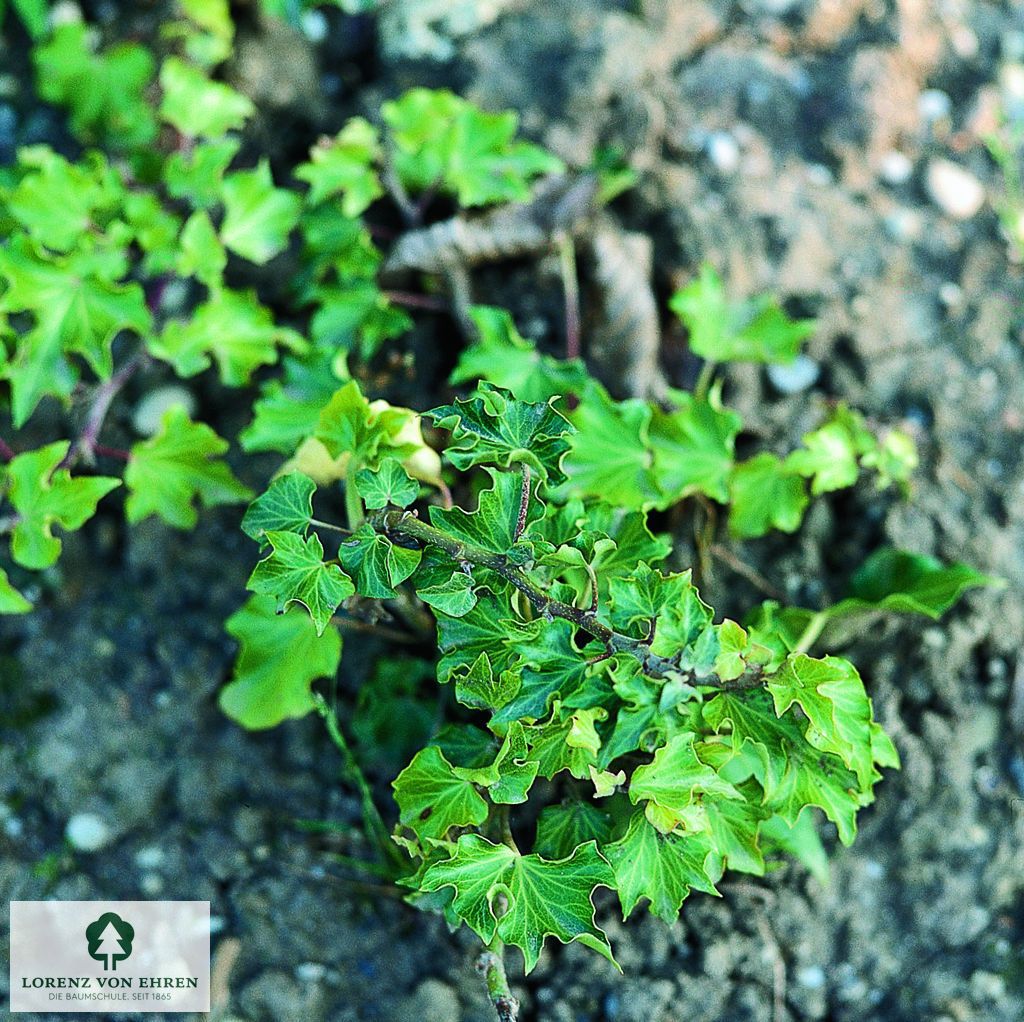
[692, 448]
[104, 91]
[280, 656]
[676, 778]
[45, 495]
[562, 829]
[11, 601]
[201, 255]
[345, 165]
[257, 216]
[180, 467]
[831, 694]
[610, 455]
[233, 329]
[389, 484]
[500, 355]
[545, 898]
[196, 106]
[197, 175]
[493, 525]
[286, 506]
[375, 563]
[663, 868]
[481, 689]
[725, 331]
[295, 573]
[432, 798]
[905, 583]
[765, 494]
[493, 428]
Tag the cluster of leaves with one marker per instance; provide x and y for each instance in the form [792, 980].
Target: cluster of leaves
[678, 746]
[93, 245]
[674, 745]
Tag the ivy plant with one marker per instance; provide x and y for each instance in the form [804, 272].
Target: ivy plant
[601, 726]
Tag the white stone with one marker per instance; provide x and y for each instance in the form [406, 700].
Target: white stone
[955, 190]
[150, 857]
[149, 412]
[314, 26]
[934, 105]
[800, 374]
[896, 168]
[87, 832]
[811, 977]
[724, 152]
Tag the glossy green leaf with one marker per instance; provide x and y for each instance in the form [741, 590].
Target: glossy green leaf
[764, 494]
[663, 868]
[722, 330]
[387, 485]
[178, 469]
[494, 428]
[544, 897]
[45, 495]
[432, 798]
[295, 572]
[286, 506]
[345, 165]
[257, 216]
[375, 564]
[11, 601]
[201, 254]
[280, 657]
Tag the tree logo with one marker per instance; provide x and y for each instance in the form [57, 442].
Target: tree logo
[110, 940]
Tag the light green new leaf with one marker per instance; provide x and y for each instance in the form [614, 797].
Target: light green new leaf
[610, 456]
[544, 897]
[389, 484]
[286, 506]
[233, 329]
[503, 357]
[345, 164]
[280, 657]
[693, 448]
[663, 868]
[197, 175]
[295, 572]
[11, 601]
[201, 254]
[725, 331]
[494, 428]
[257, 216]
[375, 563]
[764, 494]
[481, 689]
[432, 798]
[196, 106]
[180, 467]
[832, 696]
[894, 458]
[830, 453]
[675, 778]
[44, 495]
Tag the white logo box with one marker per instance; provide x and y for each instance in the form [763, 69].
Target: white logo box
[110, 956]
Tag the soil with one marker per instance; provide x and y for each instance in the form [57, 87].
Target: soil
[764, 134]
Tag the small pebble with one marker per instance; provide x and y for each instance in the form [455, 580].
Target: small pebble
[314, 26]
[310, 972]
[152, 884]
[934, 105]
[818, 174]
[951, 295]
[896, 168]
[150, 857]
[798, 376]
[955, 190]
[874, 870]
[812, 977]
[149, 412]
[988, 986]
[724, 152]
[87, 832]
